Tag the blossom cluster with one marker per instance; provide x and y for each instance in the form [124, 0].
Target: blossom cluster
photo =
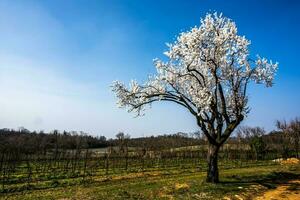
[206, 65]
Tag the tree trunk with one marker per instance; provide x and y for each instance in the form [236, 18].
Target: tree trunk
[212, 159]
[297, 147]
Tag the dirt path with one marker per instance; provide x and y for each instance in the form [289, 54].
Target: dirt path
[289, 191]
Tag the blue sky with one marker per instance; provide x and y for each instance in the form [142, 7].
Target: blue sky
[58, 59]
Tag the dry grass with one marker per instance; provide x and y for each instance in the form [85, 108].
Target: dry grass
[290, 161]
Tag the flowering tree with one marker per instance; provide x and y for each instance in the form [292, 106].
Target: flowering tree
[207, 72]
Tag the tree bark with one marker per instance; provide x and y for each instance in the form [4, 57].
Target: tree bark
[212, 159]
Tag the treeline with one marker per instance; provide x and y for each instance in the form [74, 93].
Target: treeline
[31, 142]
[165, 141]
[285, 140]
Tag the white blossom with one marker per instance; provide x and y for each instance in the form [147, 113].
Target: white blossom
[205, 66]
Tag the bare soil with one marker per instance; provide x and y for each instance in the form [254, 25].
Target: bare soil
[288, 191]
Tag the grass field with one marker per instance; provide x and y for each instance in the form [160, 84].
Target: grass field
[166, 184]
[49, 174]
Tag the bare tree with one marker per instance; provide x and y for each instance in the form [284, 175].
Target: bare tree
[123, 146]
[291, 135]
[284, 137]
[253, 136]
[295, 134]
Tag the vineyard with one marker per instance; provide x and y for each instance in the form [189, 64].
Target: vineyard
[34, 163]
[86, 165]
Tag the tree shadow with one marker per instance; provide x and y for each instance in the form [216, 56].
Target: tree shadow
[270, 181]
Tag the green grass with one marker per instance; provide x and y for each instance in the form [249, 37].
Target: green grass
[18, 180]
[161, 184]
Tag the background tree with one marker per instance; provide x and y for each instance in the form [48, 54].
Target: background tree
[291, 135]
[122, 141]
[284, 138]
[253, 136]
[295, 134]
[207, 72]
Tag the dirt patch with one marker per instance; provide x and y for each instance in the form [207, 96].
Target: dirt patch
[181, 187]
[289, 191]
[290, 161]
